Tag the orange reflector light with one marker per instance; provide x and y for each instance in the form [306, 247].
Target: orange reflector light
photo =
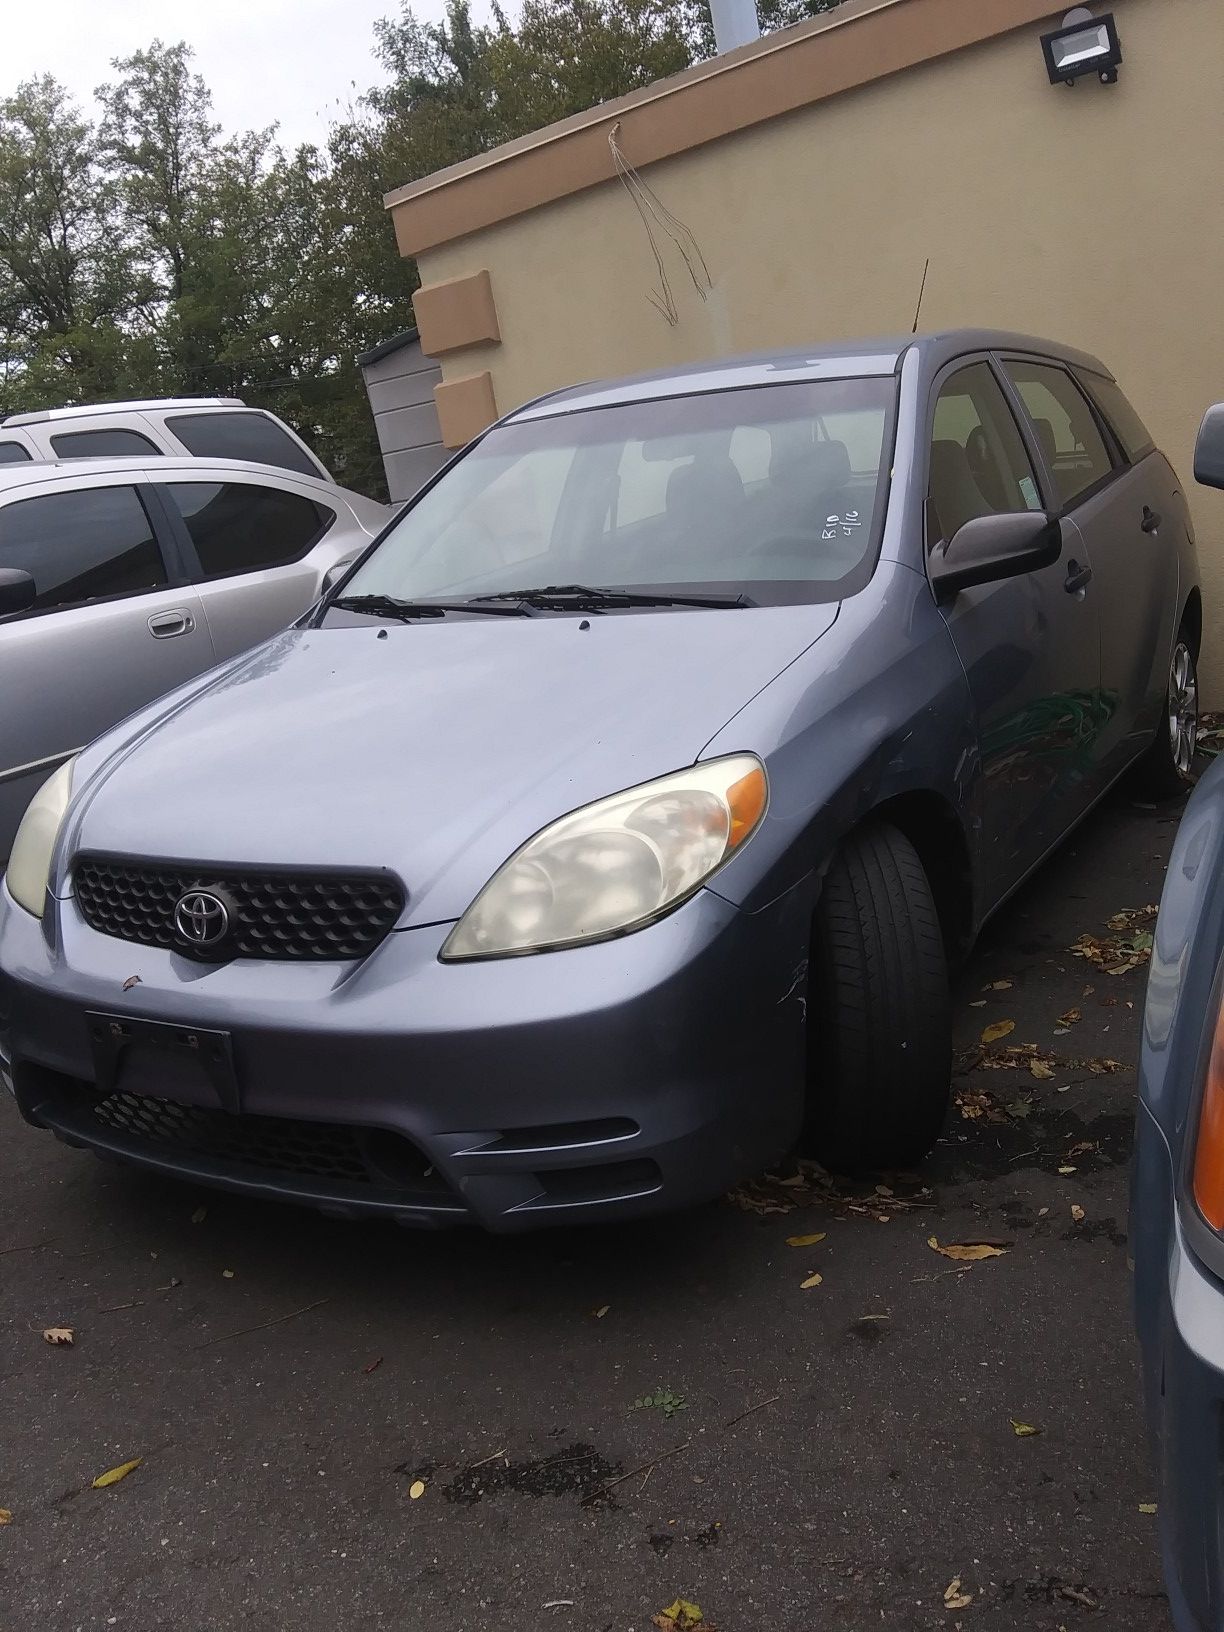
[746, 800]
[1209, 1153]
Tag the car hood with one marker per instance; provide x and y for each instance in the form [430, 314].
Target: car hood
[432, 749]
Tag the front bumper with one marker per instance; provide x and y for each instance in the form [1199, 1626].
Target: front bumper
[640, 1074]
[1179, 1310]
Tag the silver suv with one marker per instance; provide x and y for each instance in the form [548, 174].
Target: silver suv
[122, 578]
[210, 427]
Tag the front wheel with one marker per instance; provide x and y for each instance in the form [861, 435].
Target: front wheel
[879, 1014]
[1166, 768]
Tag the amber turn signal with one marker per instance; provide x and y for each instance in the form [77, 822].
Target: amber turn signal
[1209, 1152]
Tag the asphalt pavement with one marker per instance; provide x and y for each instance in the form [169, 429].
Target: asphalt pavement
[348, 1427]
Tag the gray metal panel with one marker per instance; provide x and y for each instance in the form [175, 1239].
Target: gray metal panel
[400, 386]
[408, 359]
[408, 428]
[411, 468]
[403, 392]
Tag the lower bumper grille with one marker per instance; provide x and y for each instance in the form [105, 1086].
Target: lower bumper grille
[319, 1160]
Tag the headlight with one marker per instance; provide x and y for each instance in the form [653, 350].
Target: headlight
[615, 865]
[29, 866]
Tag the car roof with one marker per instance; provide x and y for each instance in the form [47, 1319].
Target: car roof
[835, 360]
[86, 410]
[157, 466]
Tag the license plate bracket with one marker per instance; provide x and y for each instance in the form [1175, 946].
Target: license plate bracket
[117, 1039]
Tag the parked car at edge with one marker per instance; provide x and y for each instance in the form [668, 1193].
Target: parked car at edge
[1177, 1211]
[120, 579]
[209, 427]
[615, 821]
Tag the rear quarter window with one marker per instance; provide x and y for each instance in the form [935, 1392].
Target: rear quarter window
[13, 453]
[240, 435]
[1112, 402]
[115, 443]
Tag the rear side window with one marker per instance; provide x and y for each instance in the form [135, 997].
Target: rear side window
[240, 435]
[12, 453]
[81, 546]
[241, 527]
[1065, 425]
[103, 444]
[1131, 432]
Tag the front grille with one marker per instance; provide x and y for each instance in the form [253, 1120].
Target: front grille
[273, 914]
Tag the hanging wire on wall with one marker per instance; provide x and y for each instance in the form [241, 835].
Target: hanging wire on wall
[649, 205]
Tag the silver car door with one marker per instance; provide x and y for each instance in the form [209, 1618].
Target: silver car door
[110, 629]
[258, 549]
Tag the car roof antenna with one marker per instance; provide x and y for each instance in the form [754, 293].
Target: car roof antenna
[921, 292]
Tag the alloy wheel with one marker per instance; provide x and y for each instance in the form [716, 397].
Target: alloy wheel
[1183, 708]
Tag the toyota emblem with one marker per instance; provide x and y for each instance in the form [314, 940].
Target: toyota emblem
[201, 919]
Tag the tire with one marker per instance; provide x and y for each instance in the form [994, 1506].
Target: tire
[879, 1015]
[1166, 768]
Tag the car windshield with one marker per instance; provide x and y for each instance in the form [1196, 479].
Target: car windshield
[775, 493]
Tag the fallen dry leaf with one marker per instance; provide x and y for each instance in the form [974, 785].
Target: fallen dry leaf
[112, 1476]
[416, 1489]
[999, 986]
[1023, 1430]
[806, 1240]
[1077, 1212]
[1065, 1170]
[965, 1252]
[955, 1597]
[227, 1274]
[601, 1311]
[372, 1367]
[1147, 1507]
[1000, 1028]
[681, 1616]
[1041, 1070]
[132, 980]
[980, 1004]
[1071, 1018]
[59, 1337]
[1042, 1212]
[6, 1516]
[812, 1280]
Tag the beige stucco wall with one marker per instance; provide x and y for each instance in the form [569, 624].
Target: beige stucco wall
[1093, 214]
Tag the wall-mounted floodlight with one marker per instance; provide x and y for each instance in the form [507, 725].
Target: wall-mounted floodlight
[1083, 45]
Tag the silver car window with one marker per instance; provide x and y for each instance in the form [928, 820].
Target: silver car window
[82, 545]
[242, 527]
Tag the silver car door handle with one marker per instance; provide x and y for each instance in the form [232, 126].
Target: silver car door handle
[164, 625]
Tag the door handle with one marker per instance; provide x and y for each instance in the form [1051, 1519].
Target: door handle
[1151, 520]
[1077, 577]
[165, 625]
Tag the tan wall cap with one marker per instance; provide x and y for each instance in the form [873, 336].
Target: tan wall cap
[465, 408]
[861, 42]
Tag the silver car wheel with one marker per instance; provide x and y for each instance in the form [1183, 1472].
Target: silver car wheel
[1183, 708]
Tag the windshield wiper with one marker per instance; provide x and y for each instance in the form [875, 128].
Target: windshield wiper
[389, 606]
[590, 598]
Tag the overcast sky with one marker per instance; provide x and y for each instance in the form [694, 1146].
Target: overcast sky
[296, 62]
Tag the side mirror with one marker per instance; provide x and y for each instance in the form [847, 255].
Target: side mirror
[1209, 449]
[989, 548]
[334, 574]
[18, 591]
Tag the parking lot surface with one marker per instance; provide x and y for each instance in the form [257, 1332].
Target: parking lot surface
[353, 1426]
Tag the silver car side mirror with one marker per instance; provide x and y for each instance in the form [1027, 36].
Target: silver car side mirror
[1209, 449]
